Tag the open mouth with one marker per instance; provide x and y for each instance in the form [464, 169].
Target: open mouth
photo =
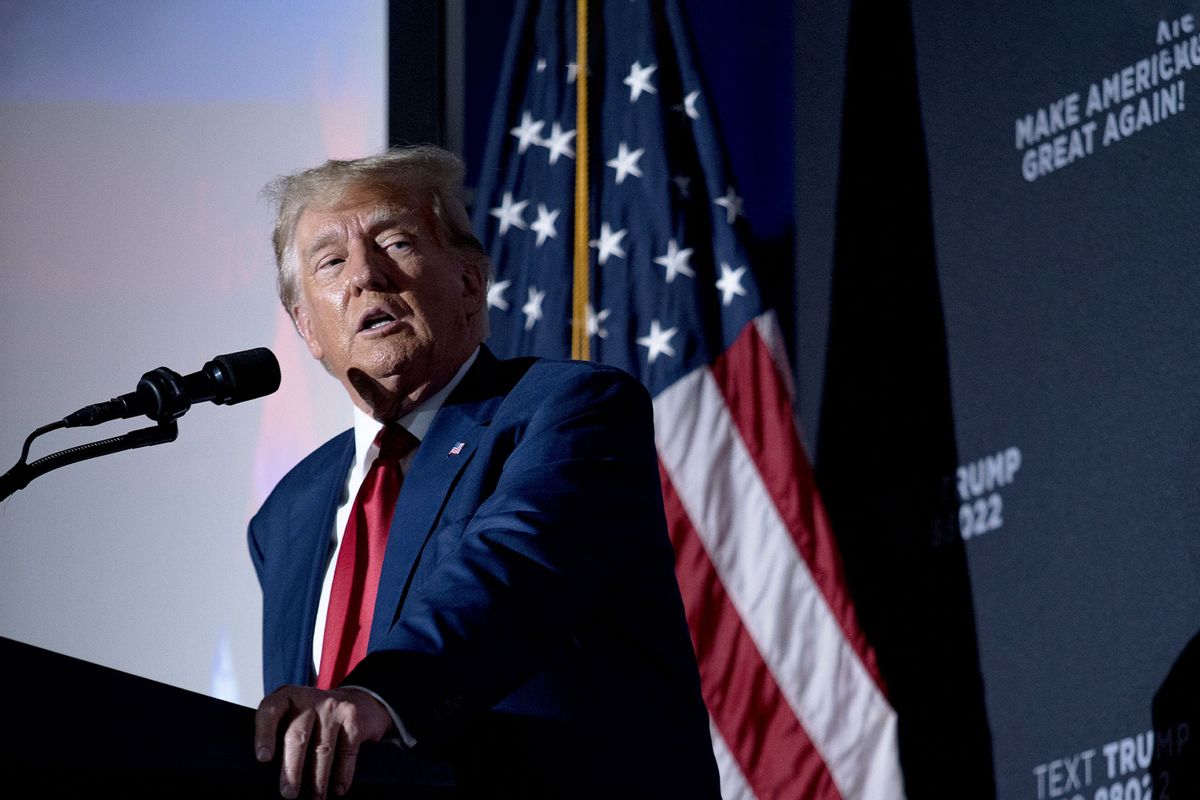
[376, 321]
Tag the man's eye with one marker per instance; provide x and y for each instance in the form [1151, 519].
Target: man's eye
[327, 263]
[397, 245]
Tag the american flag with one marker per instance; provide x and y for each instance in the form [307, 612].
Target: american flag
[793, 691]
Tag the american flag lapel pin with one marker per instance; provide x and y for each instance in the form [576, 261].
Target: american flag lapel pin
[457, 448]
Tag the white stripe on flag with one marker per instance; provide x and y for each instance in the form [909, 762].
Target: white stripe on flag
[770, 585]
[733, 783]
[768, 329]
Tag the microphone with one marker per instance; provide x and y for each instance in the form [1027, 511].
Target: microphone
[164, 395]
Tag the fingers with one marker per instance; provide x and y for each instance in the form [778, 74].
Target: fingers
[295, 750]
[266, 724]
[324, 751]
[322, 731]
[347, 756]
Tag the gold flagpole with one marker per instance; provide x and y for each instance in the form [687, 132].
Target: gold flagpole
[580, 341]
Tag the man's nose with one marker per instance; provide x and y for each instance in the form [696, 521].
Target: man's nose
[370, 268]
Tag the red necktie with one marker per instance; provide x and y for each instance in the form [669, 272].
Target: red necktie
[360, 559]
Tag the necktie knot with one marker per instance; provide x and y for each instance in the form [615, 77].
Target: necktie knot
[395, 442]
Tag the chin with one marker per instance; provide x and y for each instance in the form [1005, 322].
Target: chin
[387, 360]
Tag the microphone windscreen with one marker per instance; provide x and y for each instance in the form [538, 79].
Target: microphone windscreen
[244, 375]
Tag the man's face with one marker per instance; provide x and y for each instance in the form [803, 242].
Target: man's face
[382, 304]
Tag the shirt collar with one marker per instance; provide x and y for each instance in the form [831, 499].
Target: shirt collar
[416, 422]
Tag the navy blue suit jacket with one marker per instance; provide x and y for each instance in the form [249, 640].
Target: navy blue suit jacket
[528, 624]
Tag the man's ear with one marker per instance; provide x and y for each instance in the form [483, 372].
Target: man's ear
[474, 293]
[304, 327]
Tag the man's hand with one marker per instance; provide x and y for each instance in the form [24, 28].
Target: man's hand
[322, 731]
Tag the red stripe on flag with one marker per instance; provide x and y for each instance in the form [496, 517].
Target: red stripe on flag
[761, 408]
[773, 750]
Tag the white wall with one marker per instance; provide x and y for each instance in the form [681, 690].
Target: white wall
[134, 139]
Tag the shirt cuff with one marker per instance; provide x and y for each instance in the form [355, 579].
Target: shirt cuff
[402, 739]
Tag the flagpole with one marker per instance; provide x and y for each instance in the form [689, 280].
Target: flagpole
[580, 342]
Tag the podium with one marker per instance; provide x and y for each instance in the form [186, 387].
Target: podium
[72, 728]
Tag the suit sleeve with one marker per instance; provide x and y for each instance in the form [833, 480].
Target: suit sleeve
[256, 551]
[576, 517]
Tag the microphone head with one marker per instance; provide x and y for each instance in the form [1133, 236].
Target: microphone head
[245, 375]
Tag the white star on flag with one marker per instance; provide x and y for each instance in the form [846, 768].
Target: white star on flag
[509, 213]
[657, 341]
[689, 105]
[609, 243]
[544, 225]
[676, 261]
[541, 65]
[533, 307]
[731, 203]
[683, 183]
[572, 71]
[638, 80]
[626, 162]
[495, 298]
[527, 132]
[730, 283]
[595, 321]
[559, 143]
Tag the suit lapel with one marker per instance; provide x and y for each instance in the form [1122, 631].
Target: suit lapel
[444, 453]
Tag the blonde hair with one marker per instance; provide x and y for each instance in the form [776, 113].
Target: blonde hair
[423, 171]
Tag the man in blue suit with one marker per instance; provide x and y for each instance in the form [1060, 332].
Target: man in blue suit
[526, 623]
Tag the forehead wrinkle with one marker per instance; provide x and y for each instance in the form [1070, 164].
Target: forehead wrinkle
[375, 219]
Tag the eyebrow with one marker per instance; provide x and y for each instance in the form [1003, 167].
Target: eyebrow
[327, 236]
[389, 215]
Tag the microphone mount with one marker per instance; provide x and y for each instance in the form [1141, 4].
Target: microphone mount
[23, 473]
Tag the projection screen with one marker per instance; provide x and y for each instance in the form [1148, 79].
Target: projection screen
[135, 140]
